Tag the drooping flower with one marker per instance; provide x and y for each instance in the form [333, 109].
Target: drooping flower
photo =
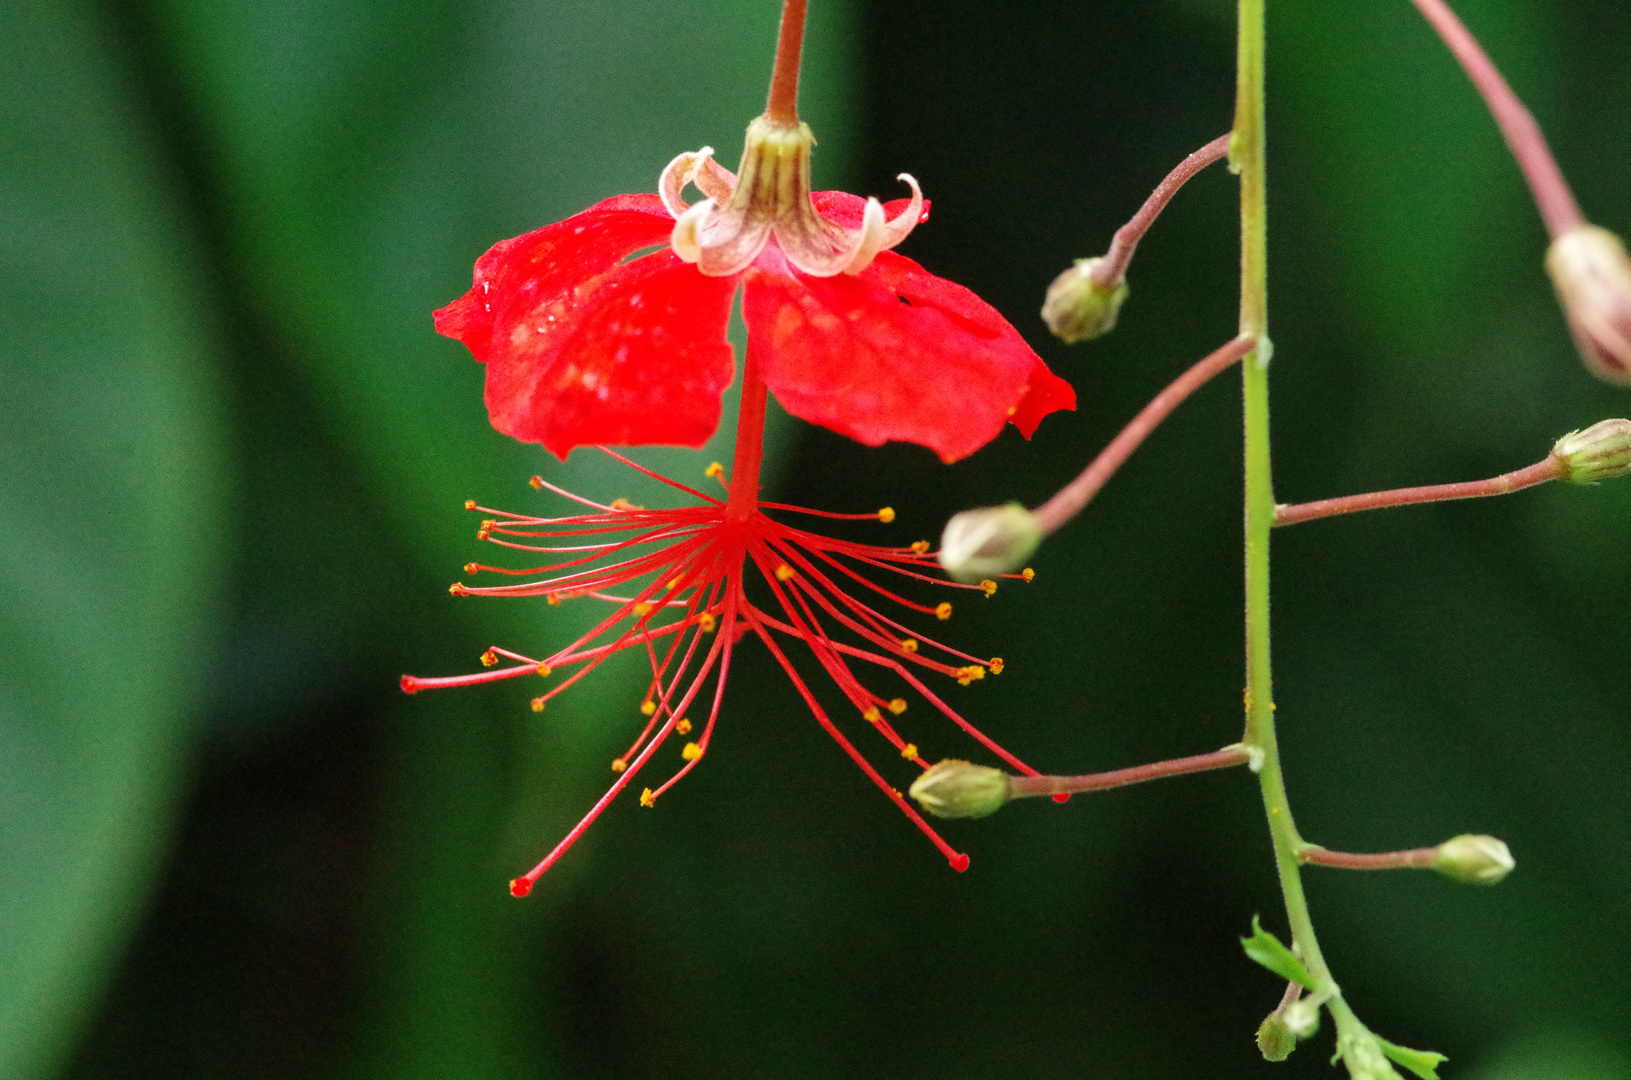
[589, 342]
[585, 345]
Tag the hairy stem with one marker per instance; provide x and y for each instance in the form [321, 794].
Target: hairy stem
[1020, 787]
[1516, 480]
[1071, 498]
[1125, 242]
[783, 105]
[1249, 158]
[1523, 136]
[1409, 859]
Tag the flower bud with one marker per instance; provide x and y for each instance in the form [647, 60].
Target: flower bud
[1474, 860]
[1601, 452]
[959, 789]
[1274, 1038]
[1302, 1017]
[1592, 274]
[1078, 307]
[988, 541]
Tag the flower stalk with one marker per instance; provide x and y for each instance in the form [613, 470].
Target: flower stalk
[1539, 473]
[1020, 787]
[1113, 267]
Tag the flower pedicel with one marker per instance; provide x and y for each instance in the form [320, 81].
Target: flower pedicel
[585, 345]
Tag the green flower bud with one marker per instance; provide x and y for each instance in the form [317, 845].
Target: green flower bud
[988, 541]
[1302, 1017]
[1364, 1057]
[1474, 860]
[1275, 1039]
[1601, 452]
[1592, 274]
[1078, 307]
[958, 789]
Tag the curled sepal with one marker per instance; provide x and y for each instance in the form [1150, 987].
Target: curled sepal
[1266, 949]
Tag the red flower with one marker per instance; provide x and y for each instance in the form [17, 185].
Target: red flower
[586, 345]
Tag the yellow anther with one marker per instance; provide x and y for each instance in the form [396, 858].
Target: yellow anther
[537, 704]
[537, 482]
[691, 752]
[683, 727]
[886, 515]
[706, 622]
[920, 547]
[715, 470]
[647, 708]
[457, 588]
[469, 504]
[909, 644]
[675, 583]
[470, 568]
[482, 534]
[996, 665]
[784, 572]
[898, 706]
[988, 587]
[872, 715]
[641, 610]
[618, 764]
[489, 658]
[554, 600]
[545, 670]
[942, 610]
[1028, 574]
[647, 798]
[624, 504]
[909, 752]
[966, 675]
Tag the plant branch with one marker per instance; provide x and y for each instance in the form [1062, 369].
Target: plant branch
[1070, 499]
[1523, 136]
[1517, 480]
[1020, 787]
[1114, 266]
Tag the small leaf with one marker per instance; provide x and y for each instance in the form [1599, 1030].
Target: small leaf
[1266, 949]
[1424, 1063]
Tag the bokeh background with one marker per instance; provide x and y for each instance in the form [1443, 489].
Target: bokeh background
[233, 457]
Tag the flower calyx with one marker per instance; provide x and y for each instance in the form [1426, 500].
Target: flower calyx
[770, 197]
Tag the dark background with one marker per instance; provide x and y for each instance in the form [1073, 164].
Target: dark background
[235, 455]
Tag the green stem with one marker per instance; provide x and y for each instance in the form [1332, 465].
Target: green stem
[1249, 159]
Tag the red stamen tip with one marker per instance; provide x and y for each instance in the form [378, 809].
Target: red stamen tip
[959, 862]
[410, 684]
[1063, 796]
[520, 887]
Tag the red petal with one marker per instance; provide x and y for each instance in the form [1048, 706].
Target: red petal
[581, 348]
[895, 353]
[842, 208]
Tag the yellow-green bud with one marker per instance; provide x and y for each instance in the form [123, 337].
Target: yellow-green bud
[1078, 307]
[988, 541]
[959, 789]
[1474, 860]
[1274, 1038]
[1592, 274]
[1364, 1058]
[1601, 452]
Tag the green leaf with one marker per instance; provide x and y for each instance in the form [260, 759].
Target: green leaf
[1266, 949]
[110, 522]
[1424, 1063]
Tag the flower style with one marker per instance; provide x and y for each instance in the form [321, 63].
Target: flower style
[589, 342]
[587, 345]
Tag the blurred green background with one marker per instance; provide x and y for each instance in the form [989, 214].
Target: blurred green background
[234, 456]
